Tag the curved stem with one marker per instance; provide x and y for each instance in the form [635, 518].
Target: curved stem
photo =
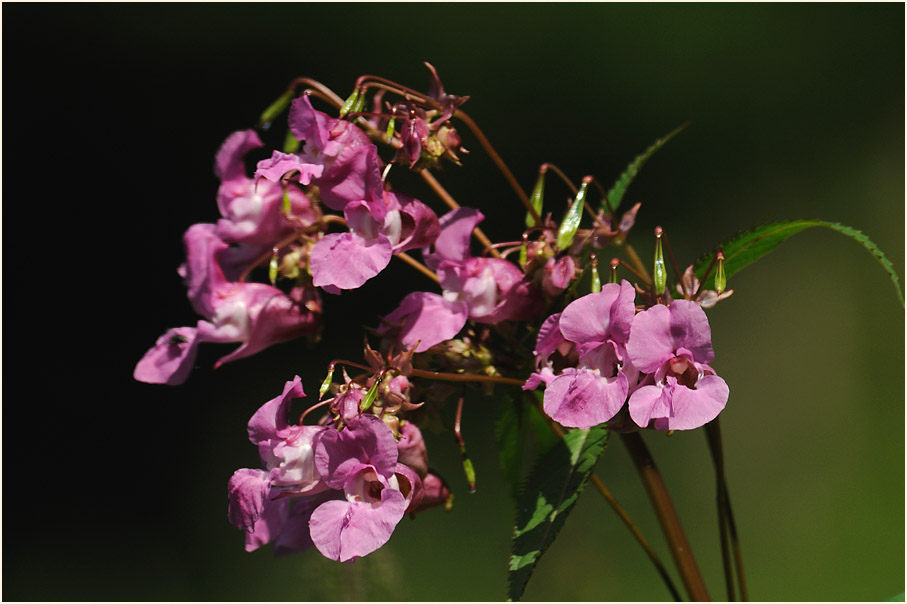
[465, 377]
[448, 199]
[326, 93]
[640, 267]
[667, 517]
[483, 140]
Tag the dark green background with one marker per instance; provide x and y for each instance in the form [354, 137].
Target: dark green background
[116, 490]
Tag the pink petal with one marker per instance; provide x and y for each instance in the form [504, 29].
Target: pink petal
[411, 449]
[696, 407]
[366, 440]
[228, 162]
[271, 418]
[268, 526]
[354, 176]
[295, 537]
[201, 273]
[171, 358]
[279, 164]
[650, 342]
[690, 329]
[427, 318]
[346, 260]
[247, 493]
[549, 338]
[648, 403]
[453, 242]
[343, 531]
[420, 227]
[582, 399]
[601, 316]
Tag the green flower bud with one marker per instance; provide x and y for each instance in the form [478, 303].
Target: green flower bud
[371, 395]
[326, 384]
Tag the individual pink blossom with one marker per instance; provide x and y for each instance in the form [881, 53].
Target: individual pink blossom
[253, 211]
[492, 289]
[255, 314]
[674, 345]
[424, 319]
[557, 274]
[287, 450]
[590, 337]
[360, 460]
[378, 229]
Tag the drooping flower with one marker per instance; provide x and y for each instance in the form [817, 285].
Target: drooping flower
[255, 314]
[360, 460]
[674, 345]
[590, 383]
[253, 211]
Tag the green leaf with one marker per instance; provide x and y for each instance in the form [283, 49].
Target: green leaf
[548, 497]
[567, 231]
[746, 247]
[616, 194]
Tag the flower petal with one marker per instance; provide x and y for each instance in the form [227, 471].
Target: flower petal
[427, 319]
[342, 530]
[171, 358]
[271, 418]
[365, 440]
[696, 407]
[582, 399]
[346, 260]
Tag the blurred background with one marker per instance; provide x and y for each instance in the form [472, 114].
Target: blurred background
[116, 490]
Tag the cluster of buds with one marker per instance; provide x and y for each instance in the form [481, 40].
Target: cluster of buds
[324, 218]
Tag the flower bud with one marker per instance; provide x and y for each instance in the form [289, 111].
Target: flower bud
[567, 231]
[538, 194]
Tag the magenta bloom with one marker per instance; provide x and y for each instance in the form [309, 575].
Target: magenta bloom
[591, 334]
[361, 461]
[674, 345]
[492, 289]
[378, 229]
[255, 314]
[253, 211]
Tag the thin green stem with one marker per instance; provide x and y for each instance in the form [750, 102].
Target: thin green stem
[667, 517]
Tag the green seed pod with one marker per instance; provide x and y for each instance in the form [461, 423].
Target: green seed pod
[660, 273]
[720, 278]
[349, 103]
[538, 194]
[567, 231]
[276, 108]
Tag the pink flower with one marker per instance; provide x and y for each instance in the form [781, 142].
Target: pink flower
[590, 336]
[674, 345]
[378, 229]
[361, 461]
[253, 211]
[255, 314]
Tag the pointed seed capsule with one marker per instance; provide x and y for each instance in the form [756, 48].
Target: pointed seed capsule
[567, 231]
[372, 394]
[596, 279]
[538, 195]
[659, 274]
[275, 108]
[273, 266]
[349, 103]
[326, 384]
[391, 125]
[720, 278]
[613, 275]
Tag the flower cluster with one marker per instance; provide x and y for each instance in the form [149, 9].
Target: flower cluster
[341, 490]
[322, 216]
[599, 351]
